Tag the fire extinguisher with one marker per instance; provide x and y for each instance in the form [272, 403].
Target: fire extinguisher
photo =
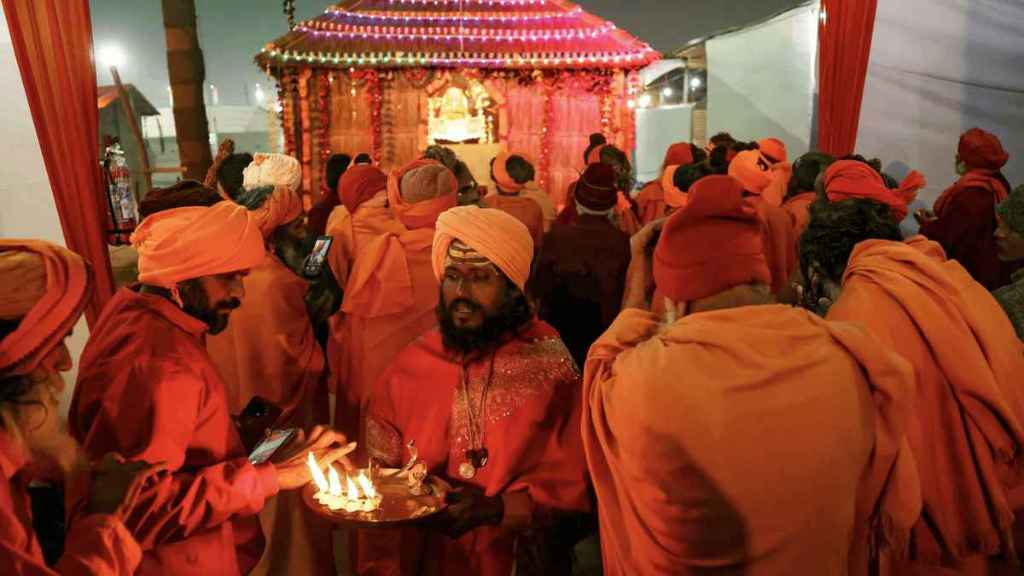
[121, 205]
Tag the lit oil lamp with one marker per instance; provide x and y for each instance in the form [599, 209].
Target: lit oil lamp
[357, 496]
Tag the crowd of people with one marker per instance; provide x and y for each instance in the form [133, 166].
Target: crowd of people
[743, 366]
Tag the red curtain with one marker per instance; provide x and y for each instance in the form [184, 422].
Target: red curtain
[844, 40]
[53, 44]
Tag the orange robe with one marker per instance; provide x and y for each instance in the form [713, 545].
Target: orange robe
[525, 210]
[148, 390]
[651, 203]
[547, 205]
[390, 299]
[779, 242]
[269, 350]
[531, 430]
[965, 428]
[371, 219]
[95, 544]
[714, 448]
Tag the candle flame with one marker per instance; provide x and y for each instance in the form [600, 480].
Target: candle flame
[334, 482]
[366, 485]
[318, 475]
[352, 492]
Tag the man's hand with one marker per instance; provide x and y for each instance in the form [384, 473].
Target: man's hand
[640, 275]
[327, 446]
[116, 484]
[468, 509]
[643, 242]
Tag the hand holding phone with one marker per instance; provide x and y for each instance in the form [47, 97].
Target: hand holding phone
[315, 261]
[273, 443]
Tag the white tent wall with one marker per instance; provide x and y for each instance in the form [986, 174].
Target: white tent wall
[762, 79]
[656, 130]
[938, 68]
[27, 208]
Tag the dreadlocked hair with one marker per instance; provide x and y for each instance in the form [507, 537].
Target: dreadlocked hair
[835, 228]
[687, 176]
[13, 387]
[806, 170]
[230, 173]
[719, 159]
[181, 195]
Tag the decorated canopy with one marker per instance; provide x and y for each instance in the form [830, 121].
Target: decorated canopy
[390, 77]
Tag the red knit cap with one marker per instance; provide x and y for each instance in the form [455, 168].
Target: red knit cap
[981, 149]
[713, 244]
[596, 188]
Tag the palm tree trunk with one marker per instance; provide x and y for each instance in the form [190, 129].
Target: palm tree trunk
[187, 72]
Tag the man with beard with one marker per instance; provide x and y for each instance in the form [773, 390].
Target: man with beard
[43, 289]
[491, 400]
[269, 349]
[148, 390]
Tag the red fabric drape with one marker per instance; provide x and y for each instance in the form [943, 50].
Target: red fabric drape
[53, 44]
[844, 40]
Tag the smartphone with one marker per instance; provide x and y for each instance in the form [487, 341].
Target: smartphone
[315, 261]
[269, 446]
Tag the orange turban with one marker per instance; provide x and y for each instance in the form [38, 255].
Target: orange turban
[494, 234]
[281, 207]
[774, 149]
[678, 154]
[501, 176]
[360, 183]
[674, 197]
[981, 149]
[46, 286]
[848, 179]
[719, 218]
[186, 243]
[754, 171]
[420, 191]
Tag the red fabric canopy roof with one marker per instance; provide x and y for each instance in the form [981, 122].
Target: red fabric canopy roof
[525, 34]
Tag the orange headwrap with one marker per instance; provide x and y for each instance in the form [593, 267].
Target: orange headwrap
[674, 197]
[678, 154]
[496, 235]
[46, 286]
[847, 179]
[754, 171]
[980, 149]
[281, 207]
[186, 243]
[360, 183]
[774, 149]
[595, 155]
[501, 176]
[439, 193]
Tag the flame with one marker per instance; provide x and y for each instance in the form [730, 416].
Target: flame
[352, 492]
[334, 482]
[366, 485]
[318, 475]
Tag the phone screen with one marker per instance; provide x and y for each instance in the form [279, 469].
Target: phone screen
[271, 444]
[315, 260]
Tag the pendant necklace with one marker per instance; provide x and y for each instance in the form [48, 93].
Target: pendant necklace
[477, 454]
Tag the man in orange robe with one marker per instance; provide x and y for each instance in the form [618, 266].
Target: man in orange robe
[43, 289]
[491, 400]
[659, 197]
[964, 220]
[510, 174]
[148, 390]
[269, 351]
[965, 426]
[753, 170]
[390, 294]
[712, 444]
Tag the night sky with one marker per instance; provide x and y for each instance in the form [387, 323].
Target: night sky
[232, 32]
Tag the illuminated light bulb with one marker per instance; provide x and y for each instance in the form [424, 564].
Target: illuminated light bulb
[631, 103]
[318, 475]
[667, 92]
[695, 83]
[644, 101]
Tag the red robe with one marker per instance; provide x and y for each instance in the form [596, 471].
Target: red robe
[532, 433]
[96, 544]
[966, 225]
[148, 390]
